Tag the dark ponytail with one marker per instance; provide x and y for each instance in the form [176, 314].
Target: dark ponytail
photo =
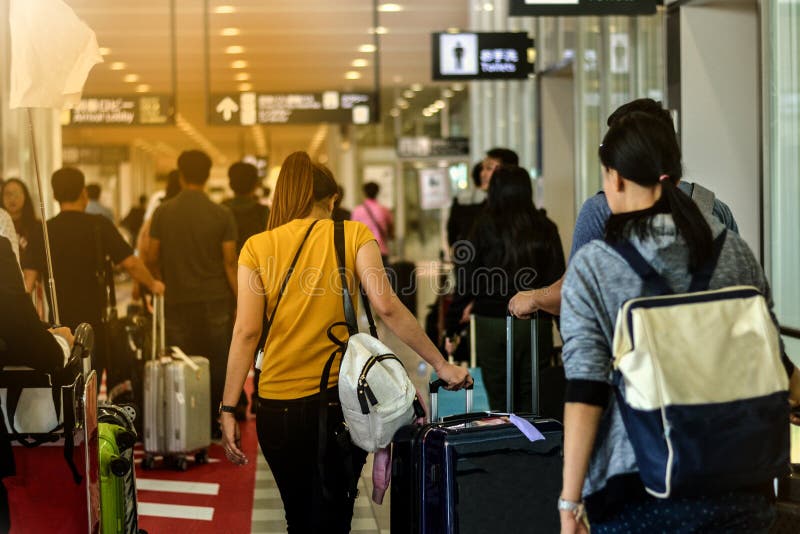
[643, 149]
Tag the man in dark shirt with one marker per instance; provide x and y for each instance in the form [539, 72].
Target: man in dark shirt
[23, 341]
[134, 219]
[193, 249]
[79, 244]
[251, 216]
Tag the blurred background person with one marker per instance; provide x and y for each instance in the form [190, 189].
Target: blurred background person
[377, 217]
[250, 215]
[132, 222]
[95, 207]
[512, 246]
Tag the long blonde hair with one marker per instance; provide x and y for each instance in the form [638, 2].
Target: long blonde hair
[300, 184]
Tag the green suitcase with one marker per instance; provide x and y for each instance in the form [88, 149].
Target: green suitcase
[118, 510]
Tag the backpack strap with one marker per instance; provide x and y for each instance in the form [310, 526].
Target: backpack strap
[704, 198]
[652, 280]
[347, 300]
[702, 278]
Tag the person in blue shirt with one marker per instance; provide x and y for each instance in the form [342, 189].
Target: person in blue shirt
[594, 213]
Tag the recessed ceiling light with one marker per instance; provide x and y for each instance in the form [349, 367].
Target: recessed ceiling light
[408, 93]
[427, 112]
[366, 48]
[439, 104]
[241, 77]
[224, 9]
[403, 105]
[360, 63]
[401, 102]
[131, 78]
[416, 87]
[239, 64]
[143, 88]
[394, 112]
[447, 93]
[117, 65]
[390, 8]
[488, 6]
[352, 75]
[104, 51]
[380, 30]
[454, 30]
[236, 49]
[245, 86]
[230, 32]
[458, 87]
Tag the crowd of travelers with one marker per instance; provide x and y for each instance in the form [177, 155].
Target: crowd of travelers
[224, 269]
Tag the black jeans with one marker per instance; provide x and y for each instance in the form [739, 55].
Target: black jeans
[203, 329]
[288, 434]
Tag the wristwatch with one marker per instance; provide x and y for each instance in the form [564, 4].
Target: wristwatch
[571, 506]
[226, 408]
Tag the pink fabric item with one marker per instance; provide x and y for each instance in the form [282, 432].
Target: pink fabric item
[383, 218]
[382, 463]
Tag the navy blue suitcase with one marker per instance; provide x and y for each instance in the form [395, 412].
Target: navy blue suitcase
[475, 473]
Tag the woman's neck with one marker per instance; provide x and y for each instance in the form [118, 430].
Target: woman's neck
[318, 213]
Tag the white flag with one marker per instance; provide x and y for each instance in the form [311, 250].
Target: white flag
[52, 52]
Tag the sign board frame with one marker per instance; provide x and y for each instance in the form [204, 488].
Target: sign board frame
[478, 52]
[302, 107]
[571, 8]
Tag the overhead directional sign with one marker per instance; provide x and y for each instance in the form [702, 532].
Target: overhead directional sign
[425, 147]
[246, 109]
[553, 8]
[481, 56]
[125, 110]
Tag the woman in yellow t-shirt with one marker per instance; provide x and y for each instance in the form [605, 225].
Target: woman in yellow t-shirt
[297, 345]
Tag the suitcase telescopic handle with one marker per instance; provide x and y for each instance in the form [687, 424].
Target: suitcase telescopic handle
[159, 343]
[534, 363]
[433, 388]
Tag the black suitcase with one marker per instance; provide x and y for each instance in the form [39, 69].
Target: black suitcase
[477, 473]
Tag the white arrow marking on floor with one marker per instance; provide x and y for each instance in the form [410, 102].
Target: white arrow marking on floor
[176, 511]
[175, 486]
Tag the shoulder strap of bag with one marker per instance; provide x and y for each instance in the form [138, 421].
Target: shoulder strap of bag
[375, 222]
[700, 280]
[347, 300]
[269, 320]
[704, 199]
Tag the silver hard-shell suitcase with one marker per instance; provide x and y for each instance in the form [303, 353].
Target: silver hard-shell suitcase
[177, 391]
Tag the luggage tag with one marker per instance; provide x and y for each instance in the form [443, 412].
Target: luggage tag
[522, 424]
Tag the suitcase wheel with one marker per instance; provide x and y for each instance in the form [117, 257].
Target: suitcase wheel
[181, 463]
[201, 458]
[148, 462]
[120, 466]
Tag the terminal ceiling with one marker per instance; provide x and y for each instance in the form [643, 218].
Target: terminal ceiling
[288, 45]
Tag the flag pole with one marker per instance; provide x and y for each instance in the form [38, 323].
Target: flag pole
[51, 282]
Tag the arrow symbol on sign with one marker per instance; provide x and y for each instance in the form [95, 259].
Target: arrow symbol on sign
[227, 107]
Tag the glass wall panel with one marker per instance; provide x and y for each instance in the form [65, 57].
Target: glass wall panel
[783, 159]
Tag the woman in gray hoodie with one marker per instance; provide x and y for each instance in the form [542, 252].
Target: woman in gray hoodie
[641, 167]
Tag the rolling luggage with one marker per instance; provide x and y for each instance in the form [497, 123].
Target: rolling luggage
[118, 509]
[177, 402]
[477, 472]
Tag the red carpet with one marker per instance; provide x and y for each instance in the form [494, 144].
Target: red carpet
[232, 507]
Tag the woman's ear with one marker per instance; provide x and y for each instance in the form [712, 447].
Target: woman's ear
[617, 180]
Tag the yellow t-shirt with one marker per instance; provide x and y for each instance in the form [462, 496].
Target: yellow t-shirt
[297, 346]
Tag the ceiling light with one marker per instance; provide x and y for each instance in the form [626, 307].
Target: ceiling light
[447, 93]
[352, 75]
[131, 78]
[390, 8]
[458, 87]
[380, 30]
[394, 112]
[366, 48]
[117, 65]
[230, 32]
[401, 102]
[104, 51]
[241, 77]
[427, 112]
[143, 88]
[245, 86]
[439, 104]
[403, 105]
[236, 49]
[488, 6]
[239, 64]
[360, 63]
[224, 9]
[453, 30]
[408, 93]
[416, 87]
